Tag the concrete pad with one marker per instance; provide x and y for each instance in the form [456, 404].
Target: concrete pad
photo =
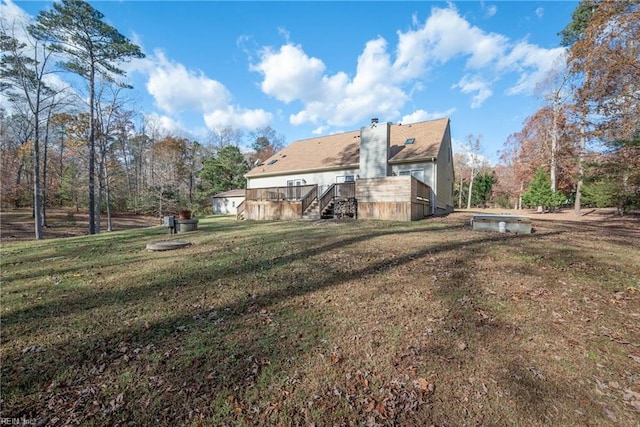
[167, 245]
[502, 223]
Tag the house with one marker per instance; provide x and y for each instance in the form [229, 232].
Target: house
[227, 202]
[388, 171]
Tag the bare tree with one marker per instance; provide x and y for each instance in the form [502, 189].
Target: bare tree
[24, 67]
[473, 152]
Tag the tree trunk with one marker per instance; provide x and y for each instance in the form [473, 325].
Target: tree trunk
[37, 201]
[62, 162]
[554, 142]
[470, 190]
[100, 185]
[108, 201]
[577, 204]
[104, 173]
[583, 144]
[127, 171]
[44, 171]
[16, 200]
[92, 153]
[460, 193]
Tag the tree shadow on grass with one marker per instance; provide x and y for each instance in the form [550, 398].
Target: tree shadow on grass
[226, 342]
[151, 284]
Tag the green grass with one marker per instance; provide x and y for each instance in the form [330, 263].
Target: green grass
[334, 323]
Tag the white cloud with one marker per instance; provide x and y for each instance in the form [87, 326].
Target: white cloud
[176, 89]
[164, 125]
[14, 19]
[320, 130]
[289, 75]
[462, 147]
[237, 118]
[491, 11]
[532, 63]
[444, 36]
[386, 77]
[540, 12]
[474, 84]
[423, 116]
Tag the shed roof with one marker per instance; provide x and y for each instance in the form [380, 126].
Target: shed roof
[342, 150]
[230, 193]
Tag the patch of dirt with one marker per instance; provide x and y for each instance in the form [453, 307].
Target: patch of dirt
[18, 225]
[566, 218]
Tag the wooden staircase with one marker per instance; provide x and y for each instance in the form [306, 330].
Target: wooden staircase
[240, 211]
[312, 212]
[327, 212]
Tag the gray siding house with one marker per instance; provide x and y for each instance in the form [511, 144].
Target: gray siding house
[392, 171]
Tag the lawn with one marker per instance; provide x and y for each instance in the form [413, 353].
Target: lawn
[326, 323]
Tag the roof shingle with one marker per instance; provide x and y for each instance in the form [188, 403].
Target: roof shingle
[343, 150]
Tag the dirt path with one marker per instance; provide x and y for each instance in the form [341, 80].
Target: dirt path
[17, 225]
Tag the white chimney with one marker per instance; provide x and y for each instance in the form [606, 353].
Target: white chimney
[374, 150]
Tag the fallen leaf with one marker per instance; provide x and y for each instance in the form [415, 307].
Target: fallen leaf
[610, 415]
[631, 395]
[462, 345]
[371, 406]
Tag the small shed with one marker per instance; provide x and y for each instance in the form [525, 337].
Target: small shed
[226, 203]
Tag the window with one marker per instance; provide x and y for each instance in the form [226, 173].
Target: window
[233, 204]
[272, 162]
[295, 192]
[345, 178]
[409, 141]
[416, 173]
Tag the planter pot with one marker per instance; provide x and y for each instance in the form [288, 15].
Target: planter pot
[183, 225]
[186, 214]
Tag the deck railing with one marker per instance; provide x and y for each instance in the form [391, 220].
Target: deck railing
[343, 190]
[240, 210]
[423, 191]
[309, 198]
[278, 194]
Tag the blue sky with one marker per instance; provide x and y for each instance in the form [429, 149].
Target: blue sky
[315, 68]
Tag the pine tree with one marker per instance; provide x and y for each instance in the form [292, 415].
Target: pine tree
[92, 49]
[540, 193]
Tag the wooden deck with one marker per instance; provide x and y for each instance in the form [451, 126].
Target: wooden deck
[400, 198]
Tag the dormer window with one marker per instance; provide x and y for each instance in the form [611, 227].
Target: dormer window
[272, 162]
[409, 141]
